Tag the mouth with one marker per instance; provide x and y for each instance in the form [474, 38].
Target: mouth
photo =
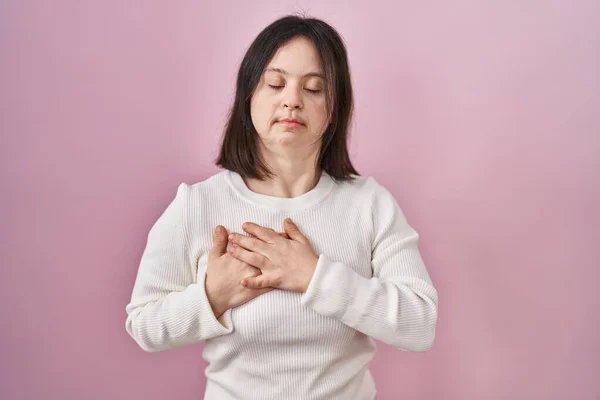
[290, 122]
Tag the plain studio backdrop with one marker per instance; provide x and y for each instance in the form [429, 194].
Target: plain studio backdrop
[482, 118]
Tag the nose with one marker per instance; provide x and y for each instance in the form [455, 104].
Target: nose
[292, 98]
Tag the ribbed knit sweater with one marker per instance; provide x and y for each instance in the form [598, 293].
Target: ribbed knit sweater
[370, 283]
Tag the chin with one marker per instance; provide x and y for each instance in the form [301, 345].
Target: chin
[288, 140]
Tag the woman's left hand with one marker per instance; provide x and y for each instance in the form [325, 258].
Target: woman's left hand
[287, 264]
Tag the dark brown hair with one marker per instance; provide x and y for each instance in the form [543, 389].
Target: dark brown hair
[239, 151]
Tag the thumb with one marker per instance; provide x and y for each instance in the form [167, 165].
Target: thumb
[219, 246]
[292, 231]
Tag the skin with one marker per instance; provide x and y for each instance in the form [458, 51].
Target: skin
[292, 86]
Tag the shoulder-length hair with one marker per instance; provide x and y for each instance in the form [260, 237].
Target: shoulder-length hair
[239, 148]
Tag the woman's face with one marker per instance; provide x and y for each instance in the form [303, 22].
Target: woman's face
[291, 87]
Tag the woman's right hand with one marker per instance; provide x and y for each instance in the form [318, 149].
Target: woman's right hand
[224, 274]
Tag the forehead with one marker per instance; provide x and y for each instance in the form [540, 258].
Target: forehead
[299, 56]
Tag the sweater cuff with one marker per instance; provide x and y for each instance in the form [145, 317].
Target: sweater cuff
[212, 326]
[331, 289]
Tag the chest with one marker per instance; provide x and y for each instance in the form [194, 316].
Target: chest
[344, 235]
[278, 316]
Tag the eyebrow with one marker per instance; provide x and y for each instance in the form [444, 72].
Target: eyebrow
[284, 72]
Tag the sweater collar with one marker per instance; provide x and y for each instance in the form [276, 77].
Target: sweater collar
[284, 204]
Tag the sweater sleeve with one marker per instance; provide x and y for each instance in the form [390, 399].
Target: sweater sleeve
[398, 305]
[168, 308]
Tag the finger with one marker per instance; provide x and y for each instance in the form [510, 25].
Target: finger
[293, 231]
[249, 243]
[265, 290]
[258, 292]
[219, 245]
[265, 234]
[283, 235]
[257, 282]
[251, 258]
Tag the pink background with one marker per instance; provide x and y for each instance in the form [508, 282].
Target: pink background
[483, 120]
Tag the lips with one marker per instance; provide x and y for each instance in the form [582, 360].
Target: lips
[290, 121]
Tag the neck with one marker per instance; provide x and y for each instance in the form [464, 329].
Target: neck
[292, 176]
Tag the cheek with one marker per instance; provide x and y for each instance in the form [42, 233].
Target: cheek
[319, 116]
[259, 114]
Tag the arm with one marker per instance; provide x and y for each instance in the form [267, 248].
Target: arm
[398, 305]
[167, 309]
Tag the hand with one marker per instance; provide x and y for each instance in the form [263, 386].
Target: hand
[285, 263]
[223, 275]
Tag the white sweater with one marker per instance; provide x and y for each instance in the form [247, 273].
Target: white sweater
[370, 283]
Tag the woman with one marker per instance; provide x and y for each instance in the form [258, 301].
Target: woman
[287, 263]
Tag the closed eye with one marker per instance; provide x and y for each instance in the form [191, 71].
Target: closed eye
[281, 87]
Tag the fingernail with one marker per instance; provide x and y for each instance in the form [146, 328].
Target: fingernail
[231, 237]
[218, 229]
[244, 283]
[288, 220]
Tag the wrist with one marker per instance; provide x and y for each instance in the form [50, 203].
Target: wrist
[218, 311]
[218, 308]
[310, 271]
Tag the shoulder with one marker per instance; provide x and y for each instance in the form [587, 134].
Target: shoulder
[193, 195]
[373, 197]
[212, 183]
[366, 188]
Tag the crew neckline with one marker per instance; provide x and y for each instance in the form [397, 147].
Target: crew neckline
[284, 204]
